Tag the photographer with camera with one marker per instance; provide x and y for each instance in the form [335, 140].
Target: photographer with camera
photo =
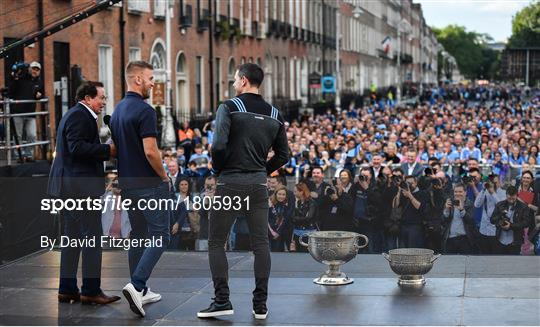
[391, 215]
[413, 204]
[434, 211]
[337, 204]
[458, 234]
[26, 85]
[510, 217]
[473, 182]
[486, 200]
[366, 213]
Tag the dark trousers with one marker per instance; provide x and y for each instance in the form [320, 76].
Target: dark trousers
[147, 224]
[390, 241]
[487, 244]
[434, 239]
[459, 245]
[220, 225]
[511, 249]
[374, 234]
[411, 236]
[276, 245]
[81, 225]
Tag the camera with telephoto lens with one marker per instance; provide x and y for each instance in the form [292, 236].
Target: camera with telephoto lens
[362, 178]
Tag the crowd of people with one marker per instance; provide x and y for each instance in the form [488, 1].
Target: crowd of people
[454, 176]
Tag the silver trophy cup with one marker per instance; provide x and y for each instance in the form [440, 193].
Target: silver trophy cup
[411, 264]
[333, 248]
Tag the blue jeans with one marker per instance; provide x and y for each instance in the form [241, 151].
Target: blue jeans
[147, 224]
[80, 225]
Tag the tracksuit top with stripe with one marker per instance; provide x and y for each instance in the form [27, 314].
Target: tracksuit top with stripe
[247, 127]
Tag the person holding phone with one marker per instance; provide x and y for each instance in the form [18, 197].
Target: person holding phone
[458, 234]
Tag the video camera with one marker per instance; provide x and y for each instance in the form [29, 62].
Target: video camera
[19, 69]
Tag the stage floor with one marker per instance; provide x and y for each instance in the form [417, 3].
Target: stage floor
[460, 290]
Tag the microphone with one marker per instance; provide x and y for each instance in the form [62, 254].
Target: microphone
[107, 120]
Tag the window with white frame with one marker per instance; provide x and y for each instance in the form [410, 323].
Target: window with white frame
[136, 6]
[199, 84]
[231, 71]
[134, 53]
[218, 80]
[105, 64]
[159, 8]
[291, 13]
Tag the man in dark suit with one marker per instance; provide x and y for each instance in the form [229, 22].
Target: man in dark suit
[77, 173]
[411, 167]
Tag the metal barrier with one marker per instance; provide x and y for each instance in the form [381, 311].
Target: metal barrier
[513, 171]
[7, 116]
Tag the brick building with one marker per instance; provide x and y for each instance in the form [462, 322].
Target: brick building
[289, 39]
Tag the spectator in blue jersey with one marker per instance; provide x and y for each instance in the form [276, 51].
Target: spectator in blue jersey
[471, 151]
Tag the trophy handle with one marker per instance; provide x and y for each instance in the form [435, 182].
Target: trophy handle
[386, 256]
[302, 242]
[365, 239]
[435, 257]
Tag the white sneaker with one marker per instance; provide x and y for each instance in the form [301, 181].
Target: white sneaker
[260, 312]
[134, 298]
[150, 297]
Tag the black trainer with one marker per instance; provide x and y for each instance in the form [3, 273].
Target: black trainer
[260, 311]
[216, 309]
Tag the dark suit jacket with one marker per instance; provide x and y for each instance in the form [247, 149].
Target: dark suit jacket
[418, 169]
[77, 170]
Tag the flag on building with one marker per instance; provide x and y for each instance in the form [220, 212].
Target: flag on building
[386, 44]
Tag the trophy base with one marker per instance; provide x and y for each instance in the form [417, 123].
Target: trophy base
[411, 280]
[333, 278]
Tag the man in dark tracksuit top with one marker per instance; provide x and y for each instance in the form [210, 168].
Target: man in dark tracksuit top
[246, 129]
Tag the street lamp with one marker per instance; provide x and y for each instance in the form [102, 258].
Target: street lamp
[357, 11]
[403, 27]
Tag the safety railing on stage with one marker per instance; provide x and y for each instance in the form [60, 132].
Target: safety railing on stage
[7, 119]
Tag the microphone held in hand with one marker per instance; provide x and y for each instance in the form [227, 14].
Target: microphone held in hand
[107, 120]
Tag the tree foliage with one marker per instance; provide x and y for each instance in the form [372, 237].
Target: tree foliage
[473, 57]
[526, 27]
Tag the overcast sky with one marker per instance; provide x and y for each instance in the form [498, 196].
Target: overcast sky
[493, 17]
